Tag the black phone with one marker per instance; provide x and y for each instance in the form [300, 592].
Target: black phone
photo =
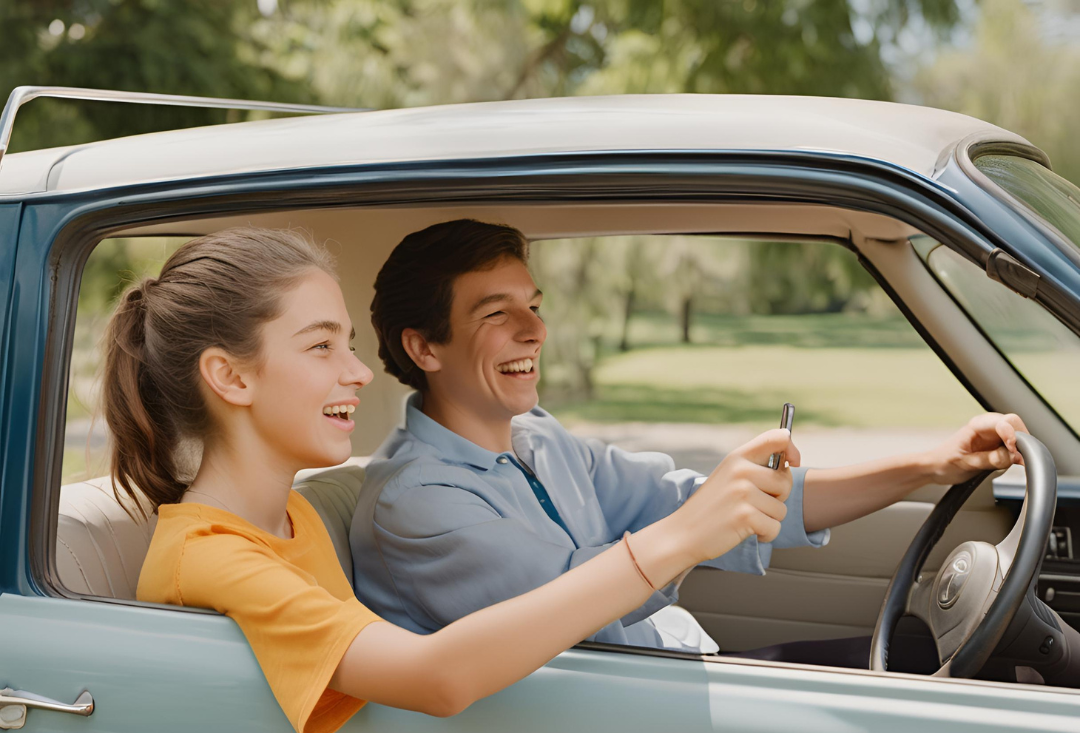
[787, 419]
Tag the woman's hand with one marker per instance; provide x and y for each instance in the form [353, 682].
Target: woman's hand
[742, 497]
[987, 442]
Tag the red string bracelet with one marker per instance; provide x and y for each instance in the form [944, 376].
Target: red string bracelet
[626, 541]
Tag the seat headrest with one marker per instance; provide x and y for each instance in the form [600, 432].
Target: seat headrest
[100, 549]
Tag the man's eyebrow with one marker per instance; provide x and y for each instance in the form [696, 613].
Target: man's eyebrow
[498, 298]
[331, 326]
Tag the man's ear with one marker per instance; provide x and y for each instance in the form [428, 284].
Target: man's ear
[419, 350]
[224, 377]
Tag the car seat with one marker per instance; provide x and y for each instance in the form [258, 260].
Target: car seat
[100, 549]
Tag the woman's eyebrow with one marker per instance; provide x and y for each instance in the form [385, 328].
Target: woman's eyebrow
[331, 326]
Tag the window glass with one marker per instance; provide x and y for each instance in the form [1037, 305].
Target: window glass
[1047, 194]
[112, 265]
[691, 345]
[1037, 344]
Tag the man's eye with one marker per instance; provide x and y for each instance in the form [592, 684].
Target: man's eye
[535, 309]
[324, 346]
[352, 349]
[496, 313]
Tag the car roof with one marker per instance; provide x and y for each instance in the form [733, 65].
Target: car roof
[909, 136]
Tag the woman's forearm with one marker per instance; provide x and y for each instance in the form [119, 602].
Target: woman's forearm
[834, 496]
[490, 649]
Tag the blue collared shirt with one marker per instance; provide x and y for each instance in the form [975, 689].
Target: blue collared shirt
[445, 527]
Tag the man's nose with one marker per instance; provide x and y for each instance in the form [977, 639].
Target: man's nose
[533, 328]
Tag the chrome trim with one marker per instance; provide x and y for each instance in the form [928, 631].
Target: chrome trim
[21, 95]
[83, 705]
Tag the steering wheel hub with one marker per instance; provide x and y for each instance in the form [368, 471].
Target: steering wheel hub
[954, 576]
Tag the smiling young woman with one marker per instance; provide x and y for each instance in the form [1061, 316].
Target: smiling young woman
[240, 349]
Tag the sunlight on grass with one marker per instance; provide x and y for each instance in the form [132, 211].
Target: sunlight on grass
[855, 387]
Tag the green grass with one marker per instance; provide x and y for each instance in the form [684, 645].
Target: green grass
[838, 370]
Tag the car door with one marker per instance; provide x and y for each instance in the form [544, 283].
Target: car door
[145, 667]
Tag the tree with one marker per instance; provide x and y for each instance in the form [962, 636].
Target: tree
[1012, 78]
[193, 47]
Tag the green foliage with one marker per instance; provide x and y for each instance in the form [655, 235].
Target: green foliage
[195, 47]
[1012, 78]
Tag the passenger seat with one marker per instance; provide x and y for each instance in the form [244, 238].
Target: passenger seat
[100, 549]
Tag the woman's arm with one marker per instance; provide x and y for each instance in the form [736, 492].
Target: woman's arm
[486, 651]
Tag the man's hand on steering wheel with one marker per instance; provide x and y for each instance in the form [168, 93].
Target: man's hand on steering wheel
[986, 443]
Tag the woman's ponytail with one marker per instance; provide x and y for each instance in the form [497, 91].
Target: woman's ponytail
[214, 291]
[142, 457]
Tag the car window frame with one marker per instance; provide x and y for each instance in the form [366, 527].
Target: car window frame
[98, 215]
[969, 153]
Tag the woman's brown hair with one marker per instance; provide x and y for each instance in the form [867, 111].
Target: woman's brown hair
[214, 291]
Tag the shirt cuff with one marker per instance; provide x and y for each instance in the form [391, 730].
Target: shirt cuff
[662, 598]
[751, 556]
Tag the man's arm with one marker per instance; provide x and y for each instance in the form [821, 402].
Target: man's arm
[834, 496]
[450, 554]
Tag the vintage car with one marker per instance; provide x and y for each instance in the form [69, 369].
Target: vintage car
[962, 224]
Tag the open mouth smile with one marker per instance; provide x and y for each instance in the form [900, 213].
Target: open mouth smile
[519, 369]
[339, 415]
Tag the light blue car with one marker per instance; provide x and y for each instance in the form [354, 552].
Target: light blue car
[962, 223]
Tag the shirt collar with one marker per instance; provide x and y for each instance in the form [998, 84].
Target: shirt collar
[444, 440]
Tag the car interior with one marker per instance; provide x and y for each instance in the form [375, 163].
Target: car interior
[836, 591]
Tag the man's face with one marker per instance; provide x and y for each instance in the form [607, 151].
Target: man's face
[491, 365]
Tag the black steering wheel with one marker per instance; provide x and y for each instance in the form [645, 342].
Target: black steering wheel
[982, 601]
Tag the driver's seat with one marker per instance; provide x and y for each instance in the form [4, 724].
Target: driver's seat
[100, 549]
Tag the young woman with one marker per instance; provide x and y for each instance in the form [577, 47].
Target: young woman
[232, 371]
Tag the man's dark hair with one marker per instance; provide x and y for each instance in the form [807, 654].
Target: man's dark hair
[415, 287]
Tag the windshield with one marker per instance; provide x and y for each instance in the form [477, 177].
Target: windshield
[1048, 195]
[1042, 349]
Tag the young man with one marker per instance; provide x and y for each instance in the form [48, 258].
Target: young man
[484, 496]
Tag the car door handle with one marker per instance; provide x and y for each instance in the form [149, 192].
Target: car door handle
[14, 703]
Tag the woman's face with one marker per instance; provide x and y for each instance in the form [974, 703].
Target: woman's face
[306, 386]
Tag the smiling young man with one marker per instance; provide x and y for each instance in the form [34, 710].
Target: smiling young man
[484, 496]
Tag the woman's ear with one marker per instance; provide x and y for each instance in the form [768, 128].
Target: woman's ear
[224, 377]
[419, 350]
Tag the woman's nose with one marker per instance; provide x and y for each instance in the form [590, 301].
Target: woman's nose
[359, 373]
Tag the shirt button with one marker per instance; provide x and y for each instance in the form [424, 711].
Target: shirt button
[502, 459]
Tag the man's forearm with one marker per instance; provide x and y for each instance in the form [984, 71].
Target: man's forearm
[833, 496]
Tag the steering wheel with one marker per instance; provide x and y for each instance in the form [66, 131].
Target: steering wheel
[981, 588]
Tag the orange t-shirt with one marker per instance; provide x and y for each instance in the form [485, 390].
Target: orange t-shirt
[290, 598]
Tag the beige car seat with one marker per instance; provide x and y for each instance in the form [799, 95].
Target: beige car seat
[100, 548]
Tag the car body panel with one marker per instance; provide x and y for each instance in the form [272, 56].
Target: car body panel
[184, 669]
[909, 136]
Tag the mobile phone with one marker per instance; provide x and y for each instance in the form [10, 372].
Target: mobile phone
[787, 419]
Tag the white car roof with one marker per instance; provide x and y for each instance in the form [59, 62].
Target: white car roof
[905, 135]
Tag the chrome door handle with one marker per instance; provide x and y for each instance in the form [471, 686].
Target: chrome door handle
[13, 705]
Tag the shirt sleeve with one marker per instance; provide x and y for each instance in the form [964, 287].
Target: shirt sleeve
[450, 553]
[636, 489]
[297, 629]
[751, 556]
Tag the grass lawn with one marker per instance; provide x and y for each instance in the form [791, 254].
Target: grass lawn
[838, 369]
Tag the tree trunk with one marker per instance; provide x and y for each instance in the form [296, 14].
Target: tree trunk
[624, 345]
[687, 310]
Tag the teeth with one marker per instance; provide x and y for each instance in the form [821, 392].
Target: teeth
[522, 365]
[342, 410]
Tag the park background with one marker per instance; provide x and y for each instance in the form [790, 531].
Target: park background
[683, 344]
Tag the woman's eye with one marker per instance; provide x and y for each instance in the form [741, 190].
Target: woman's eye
[535, 309]
[352, 349]
[325, 347]
[496, 313]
